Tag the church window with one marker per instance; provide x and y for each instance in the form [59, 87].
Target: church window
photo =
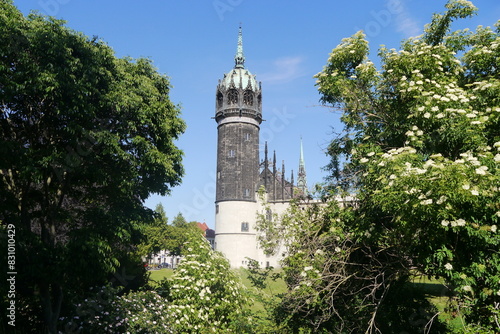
[219, 99]
[248, 97]
[247, 137]
[259, 100]
[247, 193]
[217, 208]
[232, 97]
[232, 153]
[244, 227]
[269, 215]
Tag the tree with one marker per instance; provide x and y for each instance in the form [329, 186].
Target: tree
[163, 236]
[421, 154]
[85, 138]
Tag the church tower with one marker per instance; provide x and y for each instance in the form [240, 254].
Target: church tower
[238, 116]
[238, 113]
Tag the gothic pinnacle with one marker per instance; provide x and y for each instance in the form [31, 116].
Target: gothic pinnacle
[239, 58]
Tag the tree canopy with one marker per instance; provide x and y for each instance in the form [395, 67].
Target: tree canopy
[420, 151]
[85, 138]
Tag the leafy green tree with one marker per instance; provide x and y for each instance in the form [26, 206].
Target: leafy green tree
[85, 138]
[163, 236]
[422, 141]
[421, 153]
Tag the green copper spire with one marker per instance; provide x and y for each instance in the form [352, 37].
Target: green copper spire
[302, 180]
[239, 59]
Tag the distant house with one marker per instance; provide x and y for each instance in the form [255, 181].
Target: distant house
[166, 260]
[207, 233]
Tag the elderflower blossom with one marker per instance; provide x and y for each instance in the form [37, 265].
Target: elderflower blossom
[481, 170]
[493, 228]
[448, 266]
[441, 200]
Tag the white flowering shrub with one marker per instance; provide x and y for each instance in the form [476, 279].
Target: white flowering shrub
[422, 151]
[106, 311]
[207, 297]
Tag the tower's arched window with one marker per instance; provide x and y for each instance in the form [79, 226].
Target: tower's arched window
[248, 97]
[232, 96]
[219, 99]
[259, 100]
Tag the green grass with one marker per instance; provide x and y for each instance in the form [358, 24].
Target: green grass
[438, 294]
[157, 275]
[273, 287]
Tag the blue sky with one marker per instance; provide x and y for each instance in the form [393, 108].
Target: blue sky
[285, 44]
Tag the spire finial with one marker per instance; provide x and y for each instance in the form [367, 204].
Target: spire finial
[239, 58]
[301, 160]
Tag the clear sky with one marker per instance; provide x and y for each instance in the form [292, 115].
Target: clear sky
[285, 44]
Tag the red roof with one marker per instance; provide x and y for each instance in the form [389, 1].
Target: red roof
[203, 226]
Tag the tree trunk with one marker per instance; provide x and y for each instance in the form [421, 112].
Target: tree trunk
[51, 298]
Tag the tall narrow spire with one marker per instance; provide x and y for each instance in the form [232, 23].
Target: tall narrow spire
[301, 177]
[239, 58]
[283, 179]
[266, 166]
[274, 175]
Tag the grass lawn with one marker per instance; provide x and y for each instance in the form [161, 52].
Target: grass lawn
[158, 275]
[274, 287]
[437, 293]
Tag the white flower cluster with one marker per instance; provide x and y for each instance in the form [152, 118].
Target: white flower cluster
[453, 223]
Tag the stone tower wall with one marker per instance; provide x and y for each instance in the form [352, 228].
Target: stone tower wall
[237, 160]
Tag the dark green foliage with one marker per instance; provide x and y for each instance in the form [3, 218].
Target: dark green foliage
[85, 138]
